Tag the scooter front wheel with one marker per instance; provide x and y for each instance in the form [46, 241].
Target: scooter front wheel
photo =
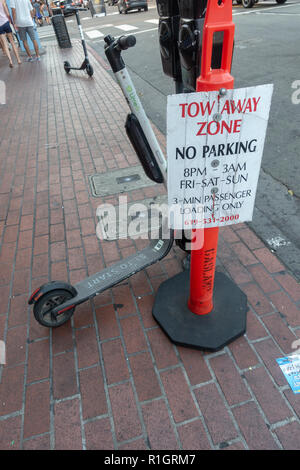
[44, 306]
[67, 67]
[89, 70]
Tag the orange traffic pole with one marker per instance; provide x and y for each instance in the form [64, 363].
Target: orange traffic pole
[203, 261]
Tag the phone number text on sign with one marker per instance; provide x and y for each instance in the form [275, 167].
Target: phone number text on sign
[215, 145]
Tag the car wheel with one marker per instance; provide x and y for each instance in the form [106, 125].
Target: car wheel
[280, 1]
[146, 9]
[247, 3]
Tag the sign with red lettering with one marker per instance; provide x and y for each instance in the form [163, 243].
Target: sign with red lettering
[215, 143]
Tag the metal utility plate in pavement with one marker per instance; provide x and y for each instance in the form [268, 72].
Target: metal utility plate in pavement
[119, 181]
[145, 219]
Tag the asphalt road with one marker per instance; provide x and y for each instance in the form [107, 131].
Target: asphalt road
[266, 51]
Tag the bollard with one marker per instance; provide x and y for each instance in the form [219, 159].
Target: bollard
[202, 308]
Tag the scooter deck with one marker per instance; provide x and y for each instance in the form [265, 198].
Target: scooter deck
[118, 272]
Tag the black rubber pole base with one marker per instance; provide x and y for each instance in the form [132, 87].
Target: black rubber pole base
[211, 332]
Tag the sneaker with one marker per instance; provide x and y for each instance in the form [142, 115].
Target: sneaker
[38, 58]
[30, 59]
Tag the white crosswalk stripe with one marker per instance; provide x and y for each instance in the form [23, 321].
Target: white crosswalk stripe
[154, 21]
[126, 27]
[95, 33]
[49, 35]
[45, 32]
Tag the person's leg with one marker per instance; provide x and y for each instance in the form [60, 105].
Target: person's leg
[23, 37]
[26, 47]
[1, 45]
[5, 48]
[36, 48]
[11, 40]
[31, 34]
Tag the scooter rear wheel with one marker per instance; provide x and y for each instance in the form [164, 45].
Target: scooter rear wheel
[67, 67]
[89, 70]
[42, 309]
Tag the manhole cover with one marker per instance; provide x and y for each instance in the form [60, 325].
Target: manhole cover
[119, 181]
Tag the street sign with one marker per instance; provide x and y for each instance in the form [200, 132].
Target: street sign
[215, 144]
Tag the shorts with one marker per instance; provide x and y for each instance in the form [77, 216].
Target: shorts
[26, 29]
[5, 28]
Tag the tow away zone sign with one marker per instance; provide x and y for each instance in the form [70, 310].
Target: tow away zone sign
[215, 144]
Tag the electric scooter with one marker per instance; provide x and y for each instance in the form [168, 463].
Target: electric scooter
[54, 302]
[86, 63]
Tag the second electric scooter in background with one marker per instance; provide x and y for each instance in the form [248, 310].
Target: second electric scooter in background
[86, 63]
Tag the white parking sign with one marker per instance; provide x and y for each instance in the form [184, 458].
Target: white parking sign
[215, 144]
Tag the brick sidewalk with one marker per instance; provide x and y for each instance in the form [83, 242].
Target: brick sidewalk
[110, 379]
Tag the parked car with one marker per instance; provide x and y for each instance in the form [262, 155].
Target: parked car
[127, 5]
[250, 3]
[64, 3]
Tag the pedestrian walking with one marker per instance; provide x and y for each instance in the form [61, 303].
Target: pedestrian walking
[23, 14]
[38, 15]
[45, 12]
[6, 33]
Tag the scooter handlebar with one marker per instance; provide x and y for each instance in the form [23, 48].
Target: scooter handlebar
[125, 42]
[113, 50]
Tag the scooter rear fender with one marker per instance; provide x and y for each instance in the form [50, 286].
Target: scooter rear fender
[49, 286]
